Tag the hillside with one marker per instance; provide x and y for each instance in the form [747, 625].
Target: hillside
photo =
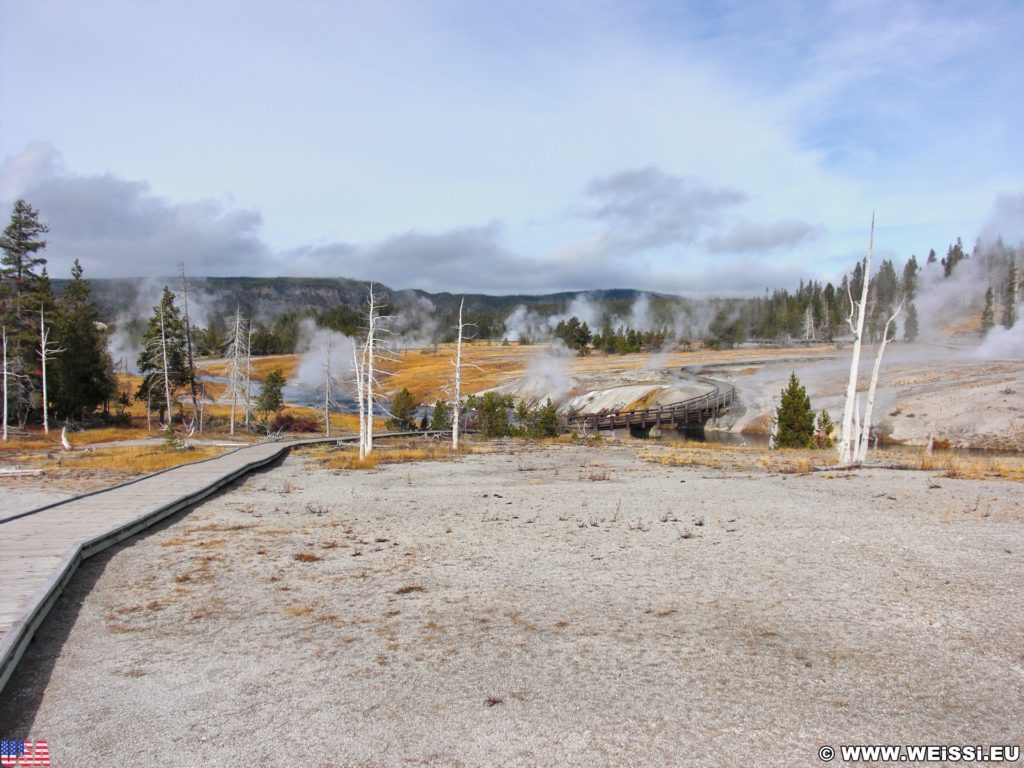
[268, 297]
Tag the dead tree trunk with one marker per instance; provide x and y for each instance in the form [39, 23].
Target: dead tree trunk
[235, 368]
[327, 390]
[865, 430]
[368, 372]
[196, 416]
[848, 436]
[46, 352]
[247, 392]
[456, 411]
[5, 382]
[357, 366]
[166, 366]
[373, 351]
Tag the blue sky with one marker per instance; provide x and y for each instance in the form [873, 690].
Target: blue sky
[511, 146]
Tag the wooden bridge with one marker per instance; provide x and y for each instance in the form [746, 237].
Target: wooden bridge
[696, 410]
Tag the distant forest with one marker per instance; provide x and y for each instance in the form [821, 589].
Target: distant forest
[814, 311]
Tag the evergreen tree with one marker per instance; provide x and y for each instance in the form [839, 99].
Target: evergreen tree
[910, 327]
[954, 256]
[492, 414]
[441, 418]
[988, 315]
[271, 396]
[24, 290]
[164, 339]
[543, 421]
[794, 417]
[19, 268]
[824, 429]
[403, 411]
[885, 286]
[83, 374]
[1010, 308]
[909, 284]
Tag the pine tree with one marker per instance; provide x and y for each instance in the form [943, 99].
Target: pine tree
[19, 269]
[271, 396]
[988, 315]
[544, 421]
[909, 283]
[823, 431]
[441, 418]
[954, 256]
[24, 290]
[794, 417]
[1010, 309]
[403, 411]
[83, 374]
[163, 362]
[910, 327]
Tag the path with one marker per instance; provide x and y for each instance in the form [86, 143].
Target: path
[40, 549]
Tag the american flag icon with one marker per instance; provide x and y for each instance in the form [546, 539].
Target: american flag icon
[15, 753]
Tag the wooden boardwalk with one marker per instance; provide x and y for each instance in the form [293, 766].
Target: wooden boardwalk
[696, 410]
[41, 549]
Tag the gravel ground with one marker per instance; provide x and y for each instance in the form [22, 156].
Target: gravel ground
[558, 606]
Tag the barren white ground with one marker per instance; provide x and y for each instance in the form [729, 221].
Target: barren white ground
[558, 606]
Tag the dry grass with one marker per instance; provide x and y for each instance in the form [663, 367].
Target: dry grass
[737, 457]
[971, 467]
[425, 372]
[409, 589]
[347, 458]
[261, 366]
[796, 462]
[137, 460]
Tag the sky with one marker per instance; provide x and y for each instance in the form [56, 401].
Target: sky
[511, 147]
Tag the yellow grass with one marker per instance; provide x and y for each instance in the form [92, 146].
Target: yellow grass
[107, 435]
[737, 457]
[137, 460]
[426, 372]
[971, 467]
[784, 461]
[261, 366]
[37, 440]
[348, 458]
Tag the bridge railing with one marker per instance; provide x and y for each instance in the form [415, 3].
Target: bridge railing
[684, 411]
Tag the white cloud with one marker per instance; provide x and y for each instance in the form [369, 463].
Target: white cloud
[745, 236]
[119, 228]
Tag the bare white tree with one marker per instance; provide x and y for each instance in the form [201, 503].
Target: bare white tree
[848, 436]
[248, 372]
[458, 380]
[809, 332]
[165, 367]
[190, 359]
[375, 350]
[46, 352]
[6, 373]
[357, 367]
[329, 381]
[865, 428]
[237, 354]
